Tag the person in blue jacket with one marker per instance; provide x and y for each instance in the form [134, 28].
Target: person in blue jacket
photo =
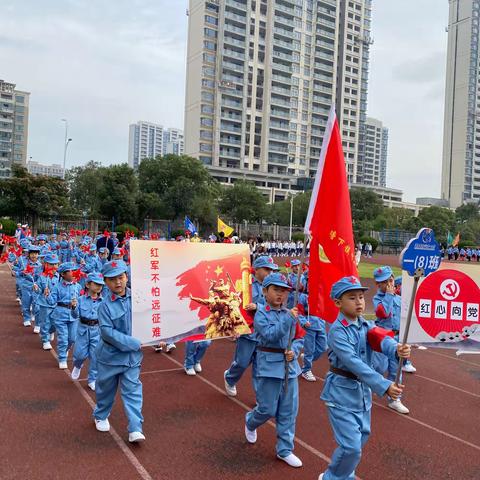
[347, 392]
[64, 299]
[194, 352]
[387, 306]
[246, 344]
[47, 281]
[88, 331]
[274, 327]
[18, 265]
[28, 285]
[119, 355]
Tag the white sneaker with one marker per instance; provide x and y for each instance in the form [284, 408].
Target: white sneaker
[102, 425]
[231, 391]
[197, 367]
[76, 373]
[158, 349]
[27, 324]
[409, 368]
[422, 347]
[309, 376]
[47, 346]
[170, 348]
[190, 371]
[320, 477]
[291, 460]
[91, 385]
[18, 300]
[250, 435]
[52, 337]
[398, 406]
[36, 329]
[135, 437]
[62, 365]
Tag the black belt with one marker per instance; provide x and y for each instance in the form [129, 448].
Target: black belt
[88, 321]
[343, 373]
[271, 350]
[64, 305]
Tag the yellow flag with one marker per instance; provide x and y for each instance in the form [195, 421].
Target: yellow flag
[223, 227]
[456, 240]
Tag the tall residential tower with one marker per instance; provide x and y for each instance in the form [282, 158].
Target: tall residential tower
[261, 78]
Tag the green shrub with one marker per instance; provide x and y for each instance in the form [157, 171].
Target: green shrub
[372, 241]
[9, 226]
[298, 236]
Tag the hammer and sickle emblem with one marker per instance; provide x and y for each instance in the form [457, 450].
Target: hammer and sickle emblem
[450, 290]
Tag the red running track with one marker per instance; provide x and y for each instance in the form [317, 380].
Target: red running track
[195, 431]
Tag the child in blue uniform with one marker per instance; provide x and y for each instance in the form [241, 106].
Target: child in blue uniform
[64, 297]
[28, 284]
[348, 387]
[246, 344]
[194, 352]
[274, 326]
[119, 355]
[88, 331]
[388, 306]
[46, 283]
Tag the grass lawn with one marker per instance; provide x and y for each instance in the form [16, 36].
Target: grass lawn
[365, 270]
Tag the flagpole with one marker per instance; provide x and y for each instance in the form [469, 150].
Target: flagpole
[295, 303]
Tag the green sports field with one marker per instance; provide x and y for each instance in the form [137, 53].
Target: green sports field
[365, 270]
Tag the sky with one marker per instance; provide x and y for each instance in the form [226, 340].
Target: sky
[105, 64]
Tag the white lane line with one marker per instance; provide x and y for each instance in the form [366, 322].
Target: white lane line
[298, 440]
[142, 471]
[423, 424]
[146, 373]
[447, 385]
[454, 358]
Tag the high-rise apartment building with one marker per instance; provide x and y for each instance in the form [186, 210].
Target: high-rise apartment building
[13, 127]
[145, 141]
[53, 170]
[173, 141]
[261, 78]
[461, 135]
[373, 169]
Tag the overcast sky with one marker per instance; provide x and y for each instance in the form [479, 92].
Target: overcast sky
[104, 64]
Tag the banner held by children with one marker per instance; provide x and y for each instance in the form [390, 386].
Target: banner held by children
[189, 290]
[446, 308]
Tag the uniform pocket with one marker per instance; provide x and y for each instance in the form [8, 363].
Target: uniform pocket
[344, 382]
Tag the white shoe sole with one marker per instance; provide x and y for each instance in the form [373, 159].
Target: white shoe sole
[250, 436]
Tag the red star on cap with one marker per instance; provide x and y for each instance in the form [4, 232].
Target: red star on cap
[267, 308]
[353, 280]
[379, 270]
[114, 264]
[270, 260]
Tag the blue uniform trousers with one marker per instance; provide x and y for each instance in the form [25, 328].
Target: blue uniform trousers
[351, 431]
[244, 356]
[274, 402]
[86, 343]
[28, 297]
[194, 352]
[314, 344]
[46, 323]
[66, 332]
[109, 376]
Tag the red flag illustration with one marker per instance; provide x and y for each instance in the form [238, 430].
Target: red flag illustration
[329, 223]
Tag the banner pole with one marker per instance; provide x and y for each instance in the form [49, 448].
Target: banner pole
[416, 277]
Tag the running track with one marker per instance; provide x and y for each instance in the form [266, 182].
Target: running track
[195, 431]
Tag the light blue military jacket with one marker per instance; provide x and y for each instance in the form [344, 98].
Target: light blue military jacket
[273, 328]
[392, 307]
[27, 280]
[63, 292]
[92, 264]
[350, 351]
[43, 283]
[88, 309]
[117, 346]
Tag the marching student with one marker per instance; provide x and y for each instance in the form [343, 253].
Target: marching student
[88, 331]
[246, 344]
[388, 305]
[47, 281]
[119, 355]
[348, 386]
[194, 352]
[64, 299]
[28, 286]
[274, 326]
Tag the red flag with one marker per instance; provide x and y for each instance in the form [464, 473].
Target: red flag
[29, 270]
[329, 223]
[78, 275]
[106, 234]
[4, 257]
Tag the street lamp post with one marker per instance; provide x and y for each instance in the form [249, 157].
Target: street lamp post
[65, 146]
[291, 216]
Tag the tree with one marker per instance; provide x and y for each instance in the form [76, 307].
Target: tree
[466, 213]
[279, 212]
[365, 204]
[26, 195]
[84, 184]
[440, 220]
[243, 202]
[183, 185]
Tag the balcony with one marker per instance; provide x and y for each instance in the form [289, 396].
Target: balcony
[233, 41]
[284, 8]
[230, 141]
[230, 116]
[282, 79]
[236, 18]
[279, 101]
[285, 33]
[327, 23]
[326, 56]
[231, 103]
[323, 44]
[236, 4]
[230, 153]
[282, 56]
[225, 127]
[231, 78]
[283, 68]
[278, 137]
[284, 21]
[279, 113]
[282, 44]
[232, 53]
[232, 28]
[281, 91]
[325, 78]
[233, 66]
[279, 125]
